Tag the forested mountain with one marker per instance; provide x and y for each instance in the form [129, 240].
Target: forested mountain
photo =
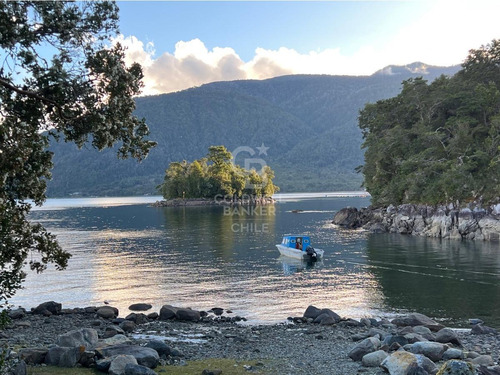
[308, 122]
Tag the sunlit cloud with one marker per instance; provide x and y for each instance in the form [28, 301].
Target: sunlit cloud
[441, 37]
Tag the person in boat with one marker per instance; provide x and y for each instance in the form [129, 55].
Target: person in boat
[298, 243]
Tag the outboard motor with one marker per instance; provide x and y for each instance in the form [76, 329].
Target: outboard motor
[311, 253]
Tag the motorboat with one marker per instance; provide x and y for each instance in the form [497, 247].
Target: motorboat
[299, 247]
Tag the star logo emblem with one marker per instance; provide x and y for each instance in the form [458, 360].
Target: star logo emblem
[262, 149]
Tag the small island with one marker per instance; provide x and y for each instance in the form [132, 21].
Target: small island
[216, 180]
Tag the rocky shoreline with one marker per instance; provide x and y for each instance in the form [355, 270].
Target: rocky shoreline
[471, 223]
[319, 342]
[201, 202]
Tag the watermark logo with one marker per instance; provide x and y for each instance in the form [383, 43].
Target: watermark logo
[252, 215]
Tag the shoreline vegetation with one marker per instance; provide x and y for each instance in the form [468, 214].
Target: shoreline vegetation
[92, 340]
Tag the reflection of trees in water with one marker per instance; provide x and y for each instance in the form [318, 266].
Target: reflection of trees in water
[442, 278]
[216, 231]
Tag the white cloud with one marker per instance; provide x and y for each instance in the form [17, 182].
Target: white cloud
[442, 36]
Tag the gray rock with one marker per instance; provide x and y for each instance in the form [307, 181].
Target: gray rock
[118, 364]
[63, 356]
[405, 363]
[33, 356]
[86, 337]
[20, 368]
[432, 350]
[218, 311]
[376, 331]
[312, 312]
[453, 353]
[364, 347]
[48, 308]
[167, 312]
[484, 360]
[131, 369]
[137, 318]
[417, 319]
[447, 335]
[414, 337]
[115, 340]
[479, 329]
[211, 372]
[111, 331]
[107, 312]
[159, 346]
[140, 307]
[348, 217]
[17, 314]
[391, 339]
[188, 315]
[374, 359]
[127, 326]
[103, 364]
[455, 367]
[145, 356]
[153, 316]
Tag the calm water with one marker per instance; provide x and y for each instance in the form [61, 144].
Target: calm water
[125, 251]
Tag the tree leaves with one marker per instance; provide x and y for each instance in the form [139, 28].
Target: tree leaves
[438, 142]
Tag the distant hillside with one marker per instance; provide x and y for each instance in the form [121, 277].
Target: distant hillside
[309, 123]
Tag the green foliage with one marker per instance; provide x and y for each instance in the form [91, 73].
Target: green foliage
[216, 176]
[60, 78]
[438, 142]
[308, 122]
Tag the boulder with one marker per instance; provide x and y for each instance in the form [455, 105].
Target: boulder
[131, 369]
[63, 356]
[483, 360]
[453, 353]
[348, 217]
[137, 318]
[159, 346]
[20, 368]
[391, 339]
[217, 311]
[86, 337]
[127, 326]
[17, 314]
[103, 364]
[118, 364]
[167, 312]
[364, 347]
[455, 367]
[374, 359]
[115, 340]
[447, 335]
[312, 312]
[107, 312]
[48, 308]
[153, 316]
[417, 319]
[187, 315]
[490, 228]
[479, 329]
[145, 356]
[404, 363]
[140, 307]
[33, 356]
[111, 331]
[432, 350]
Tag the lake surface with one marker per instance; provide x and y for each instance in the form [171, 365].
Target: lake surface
[125, 251]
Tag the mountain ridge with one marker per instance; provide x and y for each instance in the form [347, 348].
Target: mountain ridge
[309, 123]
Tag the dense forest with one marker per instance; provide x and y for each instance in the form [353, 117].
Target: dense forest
[216, 176]
[437, 142]
[307, 122]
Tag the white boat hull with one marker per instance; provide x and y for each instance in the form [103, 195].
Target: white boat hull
[297, 254]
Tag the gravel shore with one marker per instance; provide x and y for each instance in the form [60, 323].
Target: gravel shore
[293, 348]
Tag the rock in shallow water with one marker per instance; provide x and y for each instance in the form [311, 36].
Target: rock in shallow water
[140, 307]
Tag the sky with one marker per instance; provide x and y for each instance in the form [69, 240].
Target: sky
[186, 44]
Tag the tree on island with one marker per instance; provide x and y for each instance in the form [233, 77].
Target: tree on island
[216, 176]
[61, 77]
[439, 142]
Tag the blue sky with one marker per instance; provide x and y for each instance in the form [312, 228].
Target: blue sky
[184, 44]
